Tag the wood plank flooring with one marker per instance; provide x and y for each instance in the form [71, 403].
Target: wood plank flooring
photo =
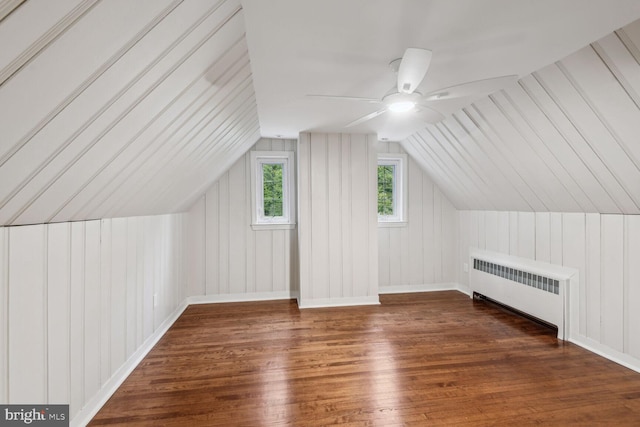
[417, 359]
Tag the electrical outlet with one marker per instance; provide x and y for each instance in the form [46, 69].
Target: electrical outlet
[465, 267]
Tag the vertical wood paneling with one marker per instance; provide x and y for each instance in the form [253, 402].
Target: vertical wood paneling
[527, 235]
[573, 255]
[264, 261]
[238, 259]
[4, 313]
[77, 320]
[504, 238]
[428, 230]
[27, 315]
[212, 240]
[132, 225]
[491, 230]
[278, 262]
[372, 216]
[449, 241]
[474, 226]
[346, 218]
[482, 230]
[415, 244]
[58, 311]
[543, 236]
[384, 256]
[358, 245]
[555, 241]
[239, 214]
[92, 310]
[395, 263]
[150, 277]
[250, 238]
[632, 285]
[68, 334]
[105, 299]
[514, 243]
[304, 212]
[140, 281]
[592, 276]
[612, 281]
[334, 200]
[437, 235]
[361, 180]
[463, 247]
[224, 234]
[320, 216]
[118, 303]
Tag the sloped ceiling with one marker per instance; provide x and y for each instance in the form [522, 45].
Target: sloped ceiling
[565, 138]
[119, 107]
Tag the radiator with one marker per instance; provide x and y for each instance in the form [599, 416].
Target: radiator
[536, 288]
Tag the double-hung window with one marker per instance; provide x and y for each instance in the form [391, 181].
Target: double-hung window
[392, 183]
[272, 189]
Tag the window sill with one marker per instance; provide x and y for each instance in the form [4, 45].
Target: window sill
[275, 226]
[389, 224]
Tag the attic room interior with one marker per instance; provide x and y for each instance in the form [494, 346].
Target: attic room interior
[362, 212]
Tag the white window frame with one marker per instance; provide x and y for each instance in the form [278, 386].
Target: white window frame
[258, 220]
[400, 181]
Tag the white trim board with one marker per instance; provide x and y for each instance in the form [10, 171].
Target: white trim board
[608, 353]
[86, 414]
[255, 296]
[429, 287]
[338, 302]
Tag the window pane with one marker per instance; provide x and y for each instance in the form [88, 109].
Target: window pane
[272, 189]
[385, 189]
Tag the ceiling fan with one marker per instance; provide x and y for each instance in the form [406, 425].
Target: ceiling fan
[411, 70]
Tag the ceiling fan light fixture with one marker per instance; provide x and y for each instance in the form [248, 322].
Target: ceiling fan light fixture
[401, 102]
[402, 106]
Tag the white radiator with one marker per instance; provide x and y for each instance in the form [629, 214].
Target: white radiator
[536, 288]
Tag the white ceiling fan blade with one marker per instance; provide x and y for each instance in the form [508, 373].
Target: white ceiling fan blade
[478, 87]
[413, 68]
[429, 115]
[345, 98]
[365, 118]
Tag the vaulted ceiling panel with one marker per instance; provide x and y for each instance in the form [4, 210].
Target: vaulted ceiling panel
[125, 110]
[564, 138]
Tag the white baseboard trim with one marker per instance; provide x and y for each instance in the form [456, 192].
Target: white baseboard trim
[255, 296]
[92, 407]
[607, 352]
[429, 287]
[337, 302]
[464, 289]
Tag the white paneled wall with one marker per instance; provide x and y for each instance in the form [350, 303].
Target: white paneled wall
[420, 255]
[337, 219]
[79, 300]
[563, 139]
[231, 261]
[605, 248]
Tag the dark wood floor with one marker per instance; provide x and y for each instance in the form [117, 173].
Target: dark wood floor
[417, 359]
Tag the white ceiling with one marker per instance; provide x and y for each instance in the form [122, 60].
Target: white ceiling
[338, 47]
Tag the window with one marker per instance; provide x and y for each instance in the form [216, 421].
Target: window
[392, 179]
[272, 189]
